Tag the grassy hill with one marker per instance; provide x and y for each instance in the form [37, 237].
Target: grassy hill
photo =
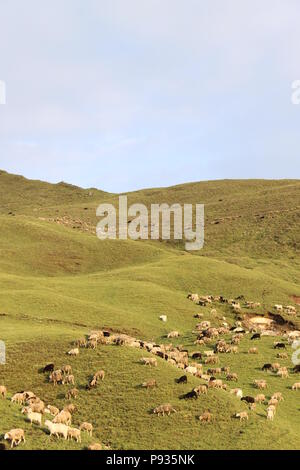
[58, 281]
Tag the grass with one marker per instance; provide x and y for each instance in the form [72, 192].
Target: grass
[58, 282]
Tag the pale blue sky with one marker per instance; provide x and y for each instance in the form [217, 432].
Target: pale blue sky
[126, 94]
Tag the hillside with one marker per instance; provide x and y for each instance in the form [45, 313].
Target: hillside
[58, 281]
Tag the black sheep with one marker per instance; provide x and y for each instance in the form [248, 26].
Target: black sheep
[266, 367]
[255, 336]
[248, 399]
[48, 368]
[189, 395]
[182, 379]
[279, 346]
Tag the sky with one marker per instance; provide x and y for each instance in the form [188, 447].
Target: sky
[128, 94]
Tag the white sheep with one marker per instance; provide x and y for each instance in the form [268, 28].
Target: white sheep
[163, 318]
[33, 417]
[57, 429]
[73, 352]
[238, 392]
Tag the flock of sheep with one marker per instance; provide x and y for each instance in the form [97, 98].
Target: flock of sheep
[34, 409]
[60, 426]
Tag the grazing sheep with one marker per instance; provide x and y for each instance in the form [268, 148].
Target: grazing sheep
[273, 401]
[238, 392]
[191, 370]
[95, 446]
[3, 391]
[70, 408]
[18, 398]
[233, 376]
[173, 334]
[92, 343]
[37, 407]
[248, 399]
[276, 366]
[253, 351]
[272, 408]
[64, 417]
[29, 395]
[87, 427]
[196, 355]
[283, 373]
[57, 429]
[212, 360]
[92, 384]
[69, 379]
[48, 368]
[270, 414]
[201, 389]
[52, 410]
[162, 409]
[296, 386]
[99, 375]
[215, 383]
[260, 398]
[256, 336]
[214, 371]
[182, 380]
[15, 436]
[261, 384]
[205, 377]
[74, 433]
[279, 345]
[278, 396]
[149, 361]
[33, 417]
[73, 393]
[296, 369]
[206, 417]
[56, 377]
[81, 343]
[266, 367]
[66, 370]
[243, 415]
[149, 384]
[189, 395]
[73, 352]
[282, 355]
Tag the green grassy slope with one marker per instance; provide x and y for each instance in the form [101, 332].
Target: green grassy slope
[57, 282]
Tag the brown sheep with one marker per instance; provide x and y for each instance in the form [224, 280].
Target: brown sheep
[74, 433]
[99, 375]
[149, 384]
[64, 417]
[3, 391]
[56, 377]
[243, 415]
[206, 417]
[232, 376]
[66, 370]
[15, 436]
[87, 427]
[162, 409]
[260, 398]
[70, 408]
[95, 446]
[73, 393]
